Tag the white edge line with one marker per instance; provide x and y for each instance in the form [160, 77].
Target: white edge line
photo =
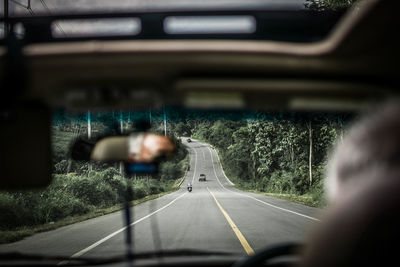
[83, 251]
[266, 203]
[195, 160]
[184, 177]
[215, 173]
[194, 171]
[223, 172]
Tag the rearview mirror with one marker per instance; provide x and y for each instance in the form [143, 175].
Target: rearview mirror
[143, 148]
[140, 151]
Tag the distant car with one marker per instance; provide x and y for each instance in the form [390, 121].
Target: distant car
[189, 140]
[202, 177]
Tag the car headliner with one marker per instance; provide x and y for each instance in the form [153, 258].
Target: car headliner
[84, 6]
[357, 61]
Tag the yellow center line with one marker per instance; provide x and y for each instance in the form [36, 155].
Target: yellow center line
[235, 229]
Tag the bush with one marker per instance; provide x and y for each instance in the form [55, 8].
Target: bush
[317, 193]
[75, 194]
[106, 195]
[139, 191]
[93, 191]
[170, 171]
[28, 203]
[59, 206]
[61, 166]
[9, 211]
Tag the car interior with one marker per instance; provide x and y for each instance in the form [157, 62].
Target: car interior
[301, 60]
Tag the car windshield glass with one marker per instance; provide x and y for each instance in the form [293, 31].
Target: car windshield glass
[256, 178]
[262, 184]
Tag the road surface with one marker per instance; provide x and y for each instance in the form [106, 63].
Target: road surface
[214, 217]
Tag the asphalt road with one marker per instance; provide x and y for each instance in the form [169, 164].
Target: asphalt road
[214, 217]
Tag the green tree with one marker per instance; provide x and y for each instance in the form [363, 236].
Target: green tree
[328, 4]
[238, 154]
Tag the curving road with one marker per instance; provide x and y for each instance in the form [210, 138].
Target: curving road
[214, 217]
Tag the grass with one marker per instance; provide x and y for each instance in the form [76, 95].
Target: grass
[18, 234]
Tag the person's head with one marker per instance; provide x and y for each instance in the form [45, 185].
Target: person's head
[361, 226]
[371, 146]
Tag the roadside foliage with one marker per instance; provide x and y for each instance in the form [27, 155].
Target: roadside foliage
[81, 187]
[329, 4]
[277, 153]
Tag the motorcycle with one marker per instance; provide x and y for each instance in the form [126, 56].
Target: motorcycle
[189, 188]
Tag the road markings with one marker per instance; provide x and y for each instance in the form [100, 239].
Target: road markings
[222, 169]
[276, 207]
[249, 250]
[266, 203]
[195, 161]
[84, 251]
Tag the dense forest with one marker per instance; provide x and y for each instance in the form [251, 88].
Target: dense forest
[281, 153]
[329, 4]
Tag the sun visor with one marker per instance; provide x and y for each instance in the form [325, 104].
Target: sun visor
[25, 147]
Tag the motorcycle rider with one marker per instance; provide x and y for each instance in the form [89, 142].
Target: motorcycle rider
[189, 187]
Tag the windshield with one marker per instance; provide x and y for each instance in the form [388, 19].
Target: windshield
[257, 180]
